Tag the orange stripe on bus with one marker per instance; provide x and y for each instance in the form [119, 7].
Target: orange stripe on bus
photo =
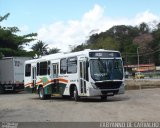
[48, 82]
[63, 80]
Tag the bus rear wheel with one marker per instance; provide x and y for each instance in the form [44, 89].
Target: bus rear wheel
[41, 93]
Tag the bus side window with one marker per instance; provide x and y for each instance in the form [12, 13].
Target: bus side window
[72, 65]
[43, 68]
[28, 70]
[63, 66]
[48, 67]
[37, 69]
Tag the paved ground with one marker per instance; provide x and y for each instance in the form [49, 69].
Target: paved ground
[135, 105]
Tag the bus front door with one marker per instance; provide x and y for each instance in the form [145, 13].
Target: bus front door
[83, 76]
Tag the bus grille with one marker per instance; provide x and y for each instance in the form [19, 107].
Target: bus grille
[109, 85]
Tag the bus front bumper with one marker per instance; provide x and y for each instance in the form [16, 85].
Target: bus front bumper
[108, 92]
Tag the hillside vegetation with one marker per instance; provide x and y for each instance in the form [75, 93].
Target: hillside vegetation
[127, 40]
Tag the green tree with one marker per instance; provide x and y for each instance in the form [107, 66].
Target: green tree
[78, 48]
[53, 51]
[143, 28]
[12, 44]
[40, 48]
[155, 45]
[4, 17]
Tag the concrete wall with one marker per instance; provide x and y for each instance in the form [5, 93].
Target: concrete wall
[142, 83]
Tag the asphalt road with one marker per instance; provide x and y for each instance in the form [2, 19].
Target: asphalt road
[134, 105]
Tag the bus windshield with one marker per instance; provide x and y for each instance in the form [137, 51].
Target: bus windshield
[106, 69]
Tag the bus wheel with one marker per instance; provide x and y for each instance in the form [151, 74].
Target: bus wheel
[1, 89]
[66, 97]
[76, 97]
[104, 98]
[48, 96]
[41, 93]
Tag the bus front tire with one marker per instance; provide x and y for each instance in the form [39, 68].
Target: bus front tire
[66, 97]
[76, 97]
[103, 98]
[1, 89]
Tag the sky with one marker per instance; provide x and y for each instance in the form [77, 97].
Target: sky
[66, 23]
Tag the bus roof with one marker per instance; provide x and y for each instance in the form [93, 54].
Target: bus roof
[64, 55]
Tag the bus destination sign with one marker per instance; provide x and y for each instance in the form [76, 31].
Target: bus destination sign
[104, 54]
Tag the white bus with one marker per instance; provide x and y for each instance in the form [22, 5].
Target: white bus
[86, 73]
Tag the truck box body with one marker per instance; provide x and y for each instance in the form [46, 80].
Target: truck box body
[12, 73]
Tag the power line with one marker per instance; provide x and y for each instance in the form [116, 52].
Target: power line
[141, 54]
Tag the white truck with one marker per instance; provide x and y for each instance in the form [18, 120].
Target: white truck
[12, 73]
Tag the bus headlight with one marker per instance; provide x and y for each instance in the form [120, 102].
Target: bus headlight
[93, 85]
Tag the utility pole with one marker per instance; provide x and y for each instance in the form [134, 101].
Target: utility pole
[138, 58]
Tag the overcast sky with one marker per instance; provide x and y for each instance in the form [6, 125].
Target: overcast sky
[61, 23]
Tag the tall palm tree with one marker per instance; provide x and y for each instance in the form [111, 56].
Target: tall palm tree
[40, 48]
[53, 51]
